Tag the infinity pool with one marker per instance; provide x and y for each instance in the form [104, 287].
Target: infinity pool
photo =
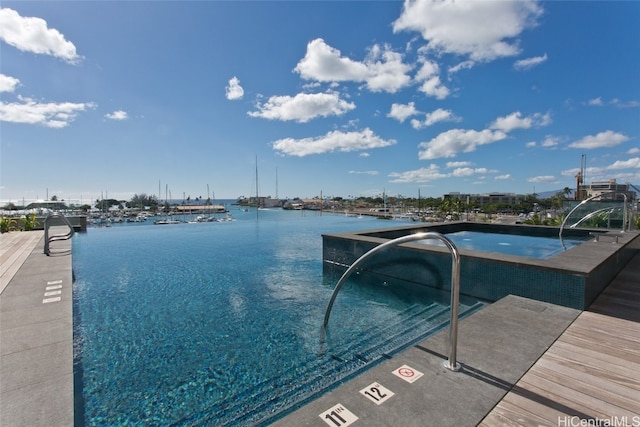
[219, 323]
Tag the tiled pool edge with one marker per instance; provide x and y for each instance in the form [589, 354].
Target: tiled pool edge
[573, 278]
[36, 342]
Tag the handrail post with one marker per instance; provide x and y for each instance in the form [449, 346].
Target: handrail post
[451, 363]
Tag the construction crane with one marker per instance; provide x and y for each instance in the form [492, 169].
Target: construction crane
[580, 179]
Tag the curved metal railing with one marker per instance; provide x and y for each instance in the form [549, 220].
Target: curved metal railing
[48, 239]
[625, 221]
[451, 363]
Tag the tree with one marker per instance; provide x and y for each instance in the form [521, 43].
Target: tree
[104, 204]
[141, 200]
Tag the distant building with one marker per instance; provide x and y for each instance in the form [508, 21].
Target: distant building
[487, 198]
[201, 209]
[616, 190]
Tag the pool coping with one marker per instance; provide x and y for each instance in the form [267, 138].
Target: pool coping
[36, 341]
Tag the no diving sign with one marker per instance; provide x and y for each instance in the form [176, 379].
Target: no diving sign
[407, 373]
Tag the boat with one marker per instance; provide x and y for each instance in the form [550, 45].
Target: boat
[167, 221]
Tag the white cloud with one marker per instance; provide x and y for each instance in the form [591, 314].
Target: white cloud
[401, 112]
[628, 104]
[331, 142]
[302, 107]
[462, 172]
[233, 90]
[454, 141]
[607, 138]
[530, 144]
[117, 115]
[434, 87]
[382, 70]
[427, 70]
[597, 102]
[550, 141]
[8, 83]
[451, 165]
[439, 115]
[525, 64]
[626, 164]
[419, 175]
[502, 177]
[364, 154]
[33, 35]
[543, 179]
[53, 115]
[464, 65]
[372, 173]
[516, 121]
[483, 30]
[634, 150]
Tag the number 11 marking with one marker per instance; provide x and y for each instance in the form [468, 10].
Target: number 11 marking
[338, 416]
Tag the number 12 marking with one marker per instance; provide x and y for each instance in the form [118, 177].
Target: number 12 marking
[376, 393]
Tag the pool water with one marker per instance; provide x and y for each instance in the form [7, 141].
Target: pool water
[510, 244]
[219, 323]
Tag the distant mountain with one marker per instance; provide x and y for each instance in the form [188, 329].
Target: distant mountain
[550, 194]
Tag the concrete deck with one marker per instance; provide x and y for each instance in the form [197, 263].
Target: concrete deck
[524, 363]
[497, 347]
[36, 333]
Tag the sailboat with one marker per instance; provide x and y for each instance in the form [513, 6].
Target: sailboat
[166, 220]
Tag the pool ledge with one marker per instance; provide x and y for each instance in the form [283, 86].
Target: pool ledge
[36, 338]
[573, 278]
[496, 346]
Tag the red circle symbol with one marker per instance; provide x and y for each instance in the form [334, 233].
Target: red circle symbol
[405, 372]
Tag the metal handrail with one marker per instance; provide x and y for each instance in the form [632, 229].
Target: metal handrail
[590, 215]
[48, 239]
[451, 363]
[624, 213]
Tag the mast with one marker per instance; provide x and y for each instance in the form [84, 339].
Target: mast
[257, 195]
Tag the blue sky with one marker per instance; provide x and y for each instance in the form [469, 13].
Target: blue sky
[345, 98]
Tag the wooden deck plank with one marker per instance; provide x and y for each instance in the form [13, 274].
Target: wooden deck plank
[605, 340]
[610, 325]
[518, 406]
[508, 414]
[619, 352]
[16, 250]
[613, 393]
[591, 371]
[613, 360]
[575, 401]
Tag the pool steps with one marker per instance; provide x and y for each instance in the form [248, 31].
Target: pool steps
[372, 346]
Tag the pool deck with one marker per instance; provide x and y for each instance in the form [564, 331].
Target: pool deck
[36, 332]
[524, 362]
